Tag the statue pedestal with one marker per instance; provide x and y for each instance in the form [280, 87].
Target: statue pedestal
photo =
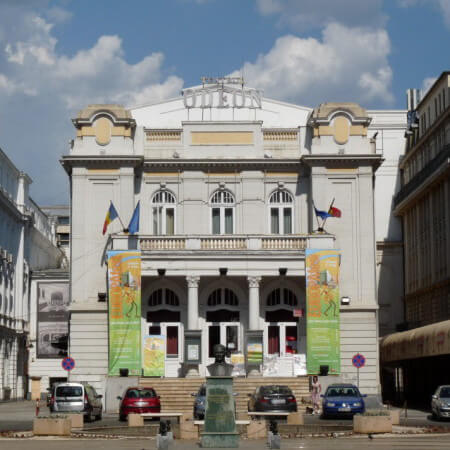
[220, 424]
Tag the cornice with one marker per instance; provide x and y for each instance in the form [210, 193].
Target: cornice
[114, 161]
[257, 164]
[373, 160]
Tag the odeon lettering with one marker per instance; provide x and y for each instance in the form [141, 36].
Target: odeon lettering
[222, 97]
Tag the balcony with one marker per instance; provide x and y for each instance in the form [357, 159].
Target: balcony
[237, 243]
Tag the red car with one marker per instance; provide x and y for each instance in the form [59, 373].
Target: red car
[138, 400]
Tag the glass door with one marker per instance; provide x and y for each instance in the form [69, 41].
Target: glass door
[225, 333]
[173, 333]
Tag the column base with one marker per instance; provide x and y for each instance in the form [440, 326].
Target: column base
[191, 371]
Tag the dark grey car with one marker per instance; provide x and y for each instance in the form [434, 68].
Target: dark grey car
[274, 398]
[199, 402]
[440, 403]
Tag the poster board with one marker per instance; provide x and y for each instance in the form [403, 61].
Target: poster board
[154, 355]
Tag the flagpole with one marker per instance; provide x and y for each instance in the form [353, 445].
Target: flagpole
[318, 225]
[331, 205]
[120, 220]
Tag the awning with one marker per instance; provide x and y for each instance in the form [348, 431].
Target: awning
[430, 340]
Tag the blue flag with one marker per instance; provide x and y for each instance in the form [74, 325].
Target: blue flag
[133, 227]
[322, 214]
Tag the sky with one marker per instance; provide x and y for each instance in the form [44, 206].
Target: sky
[58, 56]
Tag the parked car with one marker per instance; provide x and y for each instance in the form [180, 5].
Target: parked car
[138, 400]
[77, 397]
[199, 402]
[440, 402]
[274, 398]
[342, 400]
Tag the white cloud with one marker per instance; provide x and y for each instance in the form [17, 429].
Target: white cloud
[347, 64]
[308, 14]
[426, 85]
[43, 88]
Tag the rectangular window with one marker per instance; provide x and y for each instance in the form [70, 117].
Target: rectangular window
[291, 340]
[228, 220]
[274, 339]
[232, 338]
[274, 221]
[172, 341]
[216, 221]
[155, 330]
[170, 221]
[287, 213]
[156, 219]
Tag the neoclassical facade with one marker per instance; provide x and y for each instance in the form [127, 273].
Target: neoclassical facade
[227, 181]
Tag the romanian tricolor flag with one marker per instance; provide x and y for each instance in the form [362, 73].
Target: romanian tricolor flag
[110, 216]
[334, 212]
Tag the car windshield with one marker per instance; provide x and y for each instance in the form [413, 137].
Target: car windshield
[274, 390]
[445, 392]
[342, 392]
[140, 393]
[69, 391]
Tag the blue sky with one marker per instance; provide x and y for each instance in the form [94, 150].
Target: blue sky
[58, 56]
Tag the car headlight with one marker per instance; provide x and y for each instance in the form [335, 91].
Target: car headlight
[357, 404]
[331, 404]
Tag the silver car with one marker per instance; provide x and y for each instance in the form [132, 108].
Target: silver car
[440, 402]
[78, 397]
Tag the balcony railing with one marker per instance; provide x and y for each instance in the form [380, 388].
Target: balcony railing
[226, 243]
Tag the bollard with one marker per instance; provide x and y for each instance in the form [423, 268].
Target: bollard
[273, 438]
[162, 439]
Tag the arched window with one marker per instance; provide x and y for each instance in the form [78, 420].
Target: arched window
[163, 297]
[222, 212]
[163, 306]
[223, 297]
[279, 306]
[281, 214]
[282, 297]
[224, 305]
[163, 210]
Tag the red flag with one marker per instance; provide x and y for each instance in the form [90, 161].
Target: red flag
[334, 212]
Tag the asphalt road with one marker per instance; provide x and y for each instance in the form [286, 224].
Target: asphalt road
[407, 443]
[18, 416]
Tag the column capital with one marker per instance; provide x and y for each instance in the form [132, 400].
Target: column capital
[192, 281]
[253, 282]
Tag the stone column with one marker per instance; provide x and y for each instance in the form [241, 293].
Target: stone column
[192, 332]
[253, 302]
[253, 319]
[192, 321]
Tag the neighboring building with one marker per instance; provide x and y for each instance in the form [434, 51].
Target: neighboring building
[415, 361]
[226, 182]
[61, 217]
[26, 244]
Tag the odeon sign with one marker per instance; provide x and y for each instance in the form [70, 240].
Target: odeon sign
[221, 96]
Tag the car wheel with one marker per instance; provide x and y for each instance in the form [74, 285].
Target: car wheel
[99, 415]
[88, 417]
[122, 418]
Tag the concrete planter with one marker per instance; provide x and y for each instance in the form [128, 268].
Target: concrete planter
[256, 429]
[372, 424]
[188, 431]
[52, 427]
[295, 419]
[76, 420]
[135, 420]
[395, 416]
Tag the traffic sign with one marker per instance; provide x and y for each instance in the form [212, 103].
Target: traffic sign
[358, 360]
[68, 363]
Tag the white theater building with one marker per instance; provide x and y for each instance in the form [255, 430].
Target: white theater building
[226, 181]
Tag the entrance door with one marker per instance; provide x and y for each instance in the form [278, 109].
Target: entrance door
[225, 333]
[173, 332]
[281, 342]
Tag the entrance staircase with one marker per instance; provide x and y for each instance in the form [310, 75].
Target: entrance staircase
[176, 396]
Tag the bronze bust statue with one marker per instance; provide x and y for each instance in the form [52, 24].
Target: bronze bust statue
[220, 368]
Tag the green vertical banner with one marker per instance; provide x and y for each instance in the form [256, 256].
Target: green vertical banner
[124, 282]
[322, 316]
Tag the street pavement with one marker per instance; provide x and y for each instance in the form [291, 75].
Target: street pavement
[420, 442]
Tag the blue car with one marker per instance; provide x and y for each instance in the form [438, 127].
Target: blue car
[199, 402]
[342, 400]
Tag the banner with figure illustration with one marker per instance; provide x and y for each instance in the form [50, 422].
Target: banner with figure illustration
[322, 317]
[124, 282]
[154, 355]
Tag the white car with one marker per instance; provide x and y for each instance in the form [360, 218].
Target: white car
[440, 402]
